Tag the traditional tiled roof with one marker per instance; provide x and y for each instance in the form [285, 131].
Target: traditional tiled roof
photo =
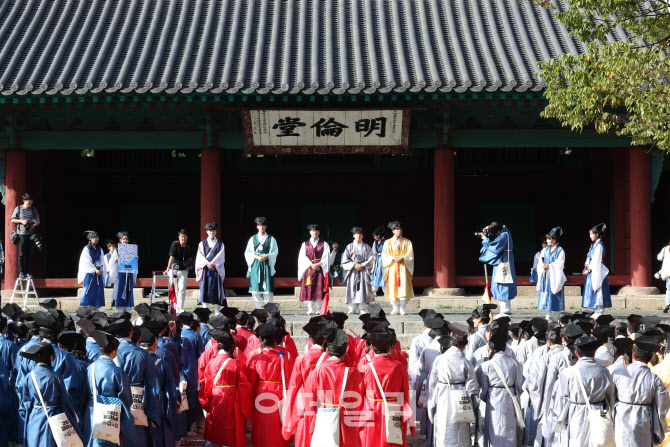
[279, 46]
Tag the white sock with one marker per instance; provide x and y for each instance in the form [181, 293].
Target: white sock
[217, 309]
[258, 303]
[318, 306]
[394, 304]
[309, 306]
[268, 297]
[362, 307]
[403, 303]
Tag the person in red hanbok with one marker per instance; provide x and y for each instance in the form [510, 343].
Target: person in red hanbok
[264, 372]
[221, 323]
[297, 420]
[394, 380]
[324, 387]
[225, 394]
[242, 320]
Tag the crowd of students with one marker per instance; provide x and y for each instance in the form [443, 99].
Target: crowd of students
[155, 379]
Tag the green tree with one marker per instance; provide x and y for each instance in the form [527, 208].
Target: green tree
[616, 86]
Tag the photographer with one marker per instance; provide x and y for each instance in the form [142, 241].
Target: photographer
[26, 219]
[664, 274]
[496, 250]
[181, 262]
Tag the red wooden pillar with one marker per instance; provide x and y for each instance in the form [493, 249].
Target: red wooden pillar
[210, 189]
[620, 207]
[640, 218]
[16, 184]
[444, 257]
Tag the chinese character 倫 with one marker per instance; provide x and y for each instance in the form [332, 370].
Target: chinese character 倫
[330, 128]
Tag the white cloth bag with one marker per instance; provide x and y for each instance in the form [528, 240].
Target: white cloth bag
[460, 405]
[601, 427]
[280, 404]
[327, 425]
[504, 269]
[61, 428]
[393, 415]
[515, 401]
[106, 422]
[137, 408]
[184, 399]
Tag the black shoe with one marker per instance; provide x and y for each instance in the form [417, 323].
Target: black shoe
[29, 276]
[22, 276]
[666, 309]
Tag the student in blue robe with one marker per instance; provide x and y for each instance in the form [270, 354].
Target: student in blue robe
[189, 331]
[497, 247]
[163, 434]
[54, 393]
[122, 295]
[189, 374]
[9, 353]
[92, 272]
[92, 348]
[552, 278]
[377, 248]
[170, 352]
[596, 286]
[203, 316]
[210, 269]
[74, 344]
[137, 364]
[8, 408]
[113, 386]
[9, 404]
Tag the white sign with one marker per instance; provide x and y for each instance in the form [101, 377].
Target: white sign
[327, 128]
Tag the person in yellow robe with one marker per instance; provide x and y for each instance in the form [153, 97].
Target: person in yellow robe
[398, 268]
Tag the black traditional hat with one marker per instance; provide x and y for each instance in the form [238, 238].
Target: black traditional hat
[219, 322]
[9, 310]
[202, 313]
[121, 315]
[650, 321]
[85, 311]
[380, 339]
[565, 318]
[272, 309]
[586, 343]
[160, 305]
[72, 340]
[602, 333]
[142, 310]
[104, 339]
[120, 328]
[90, 234]
[445, 342]
[664, 327]
[120, 234]
[230, 312]
[266, 330]
[241, 315]
[393, 225]
[40, 352]
[599, 228]
[315, 329]
[337, 341]
[261, 221]
[154, 326]
[374, 311]
[647, 344]
[556, 233]
[622, 344]
[379, 231]
[586, 325]
[357, 230]
[540, 324]
[339, 318]
[211, 226]
[498, 337]
[604, 320]
[46, 320]
[260, 314]
[49, 304]
[572, 332]
[186, 318]
[311, 227]
[499, 325]
[147, 336]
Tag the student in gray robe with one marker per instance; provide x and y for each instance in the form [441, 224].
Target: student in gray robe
[480, 319]
[416, 347]
[500, 422]
[356, 263]
[570, 408]
[450, 370]
[622, 354]
[497, 325]
[642, 400]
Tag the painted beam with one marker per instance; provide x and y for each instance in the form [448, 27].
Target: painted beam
[532, 138]
[101, 140]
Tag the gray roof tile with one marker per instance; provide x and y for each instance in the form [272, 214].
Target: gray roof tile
[278, 46]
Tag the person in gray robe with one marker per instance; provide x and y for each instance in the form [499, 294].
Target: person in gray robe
[356, 263]
[480, 319]
[569, 407]
[481, 354]
[416, 347]
[621, 354]
[450, 368]
[500, 422]
[641, 399]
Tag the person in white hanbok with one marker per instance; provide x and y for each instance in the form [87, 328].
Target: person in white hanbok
[418, 344]
[92, 273]
[596, 285]
[111, 265]
[664, 274]
[642, 401]
[551, 277]
[450, 371]
[356, 263]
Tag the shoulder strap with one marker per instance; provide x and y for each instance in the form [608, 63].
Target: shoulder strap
[39, 393]
[157, 361]
[320, 360]
[283, 379]
[581, 386]
[374, 373]
[502, 378]
[95, 387]
[218, 374]
[344, 383]
[116, 362]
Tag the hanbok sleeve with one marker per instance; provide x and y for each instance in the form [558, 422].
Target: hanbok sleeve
[408, 257]
[432, 388]
[660, 256]
[370, 257]
[540, 269]
[272, 256]
[556, 273]
[200, 262]
[387, 258]
[346, 262]
[249, 253]
[598, 269]
[85, 265]
[325, 259]
[471, 384]
[246, 394]
[303, 261]
[483, 380]
[492, 251]
[662, 404]
[219, 261]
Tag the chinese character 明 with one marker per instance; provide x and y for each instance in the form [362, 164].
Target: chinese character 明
[287, 126]
[330, 128]
[370, 125]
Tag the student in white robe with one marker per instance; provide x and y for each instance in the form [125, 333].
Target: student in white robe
[450, 371]
[603, 355]
[622, 353]
[122, 295]
[596, 286]
[261, 256]
[551, 277]
[356, 263]
[111, 264]
[642, 400]
[210, 270]
[664, 274]
[569, 408]
[418, 344]
[92, 272]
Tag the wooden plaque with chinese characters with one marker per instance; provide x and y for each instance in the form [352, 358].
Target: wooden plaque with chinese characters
[326, 131]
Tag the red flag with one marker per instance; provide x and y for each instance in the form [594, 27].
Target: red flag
[326, 291]
[172, 295]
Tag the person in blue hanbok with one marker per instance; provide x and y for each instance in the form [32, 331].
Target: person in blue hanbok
[551, 276]
[92, 272]
[111, 386]
[536, 261]
[9, 403]
[210, 270]
[74, 343]
[137, 363]
[497, 248]
[596, 286]
[203, 316]
[43, 384]
[377, 248]
[92, 347]
[8, 408]
[188, 379]
[122, 295]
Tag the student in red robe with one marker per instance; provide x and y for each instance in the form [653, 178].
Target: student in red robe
[394, 380]
[298, 420]
[241, 327]
[226, 396]
[264, 372]
[324, 386]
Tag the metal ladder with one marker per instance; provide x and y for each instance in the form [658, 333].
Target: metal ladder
[25, 288]
[154, 284]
